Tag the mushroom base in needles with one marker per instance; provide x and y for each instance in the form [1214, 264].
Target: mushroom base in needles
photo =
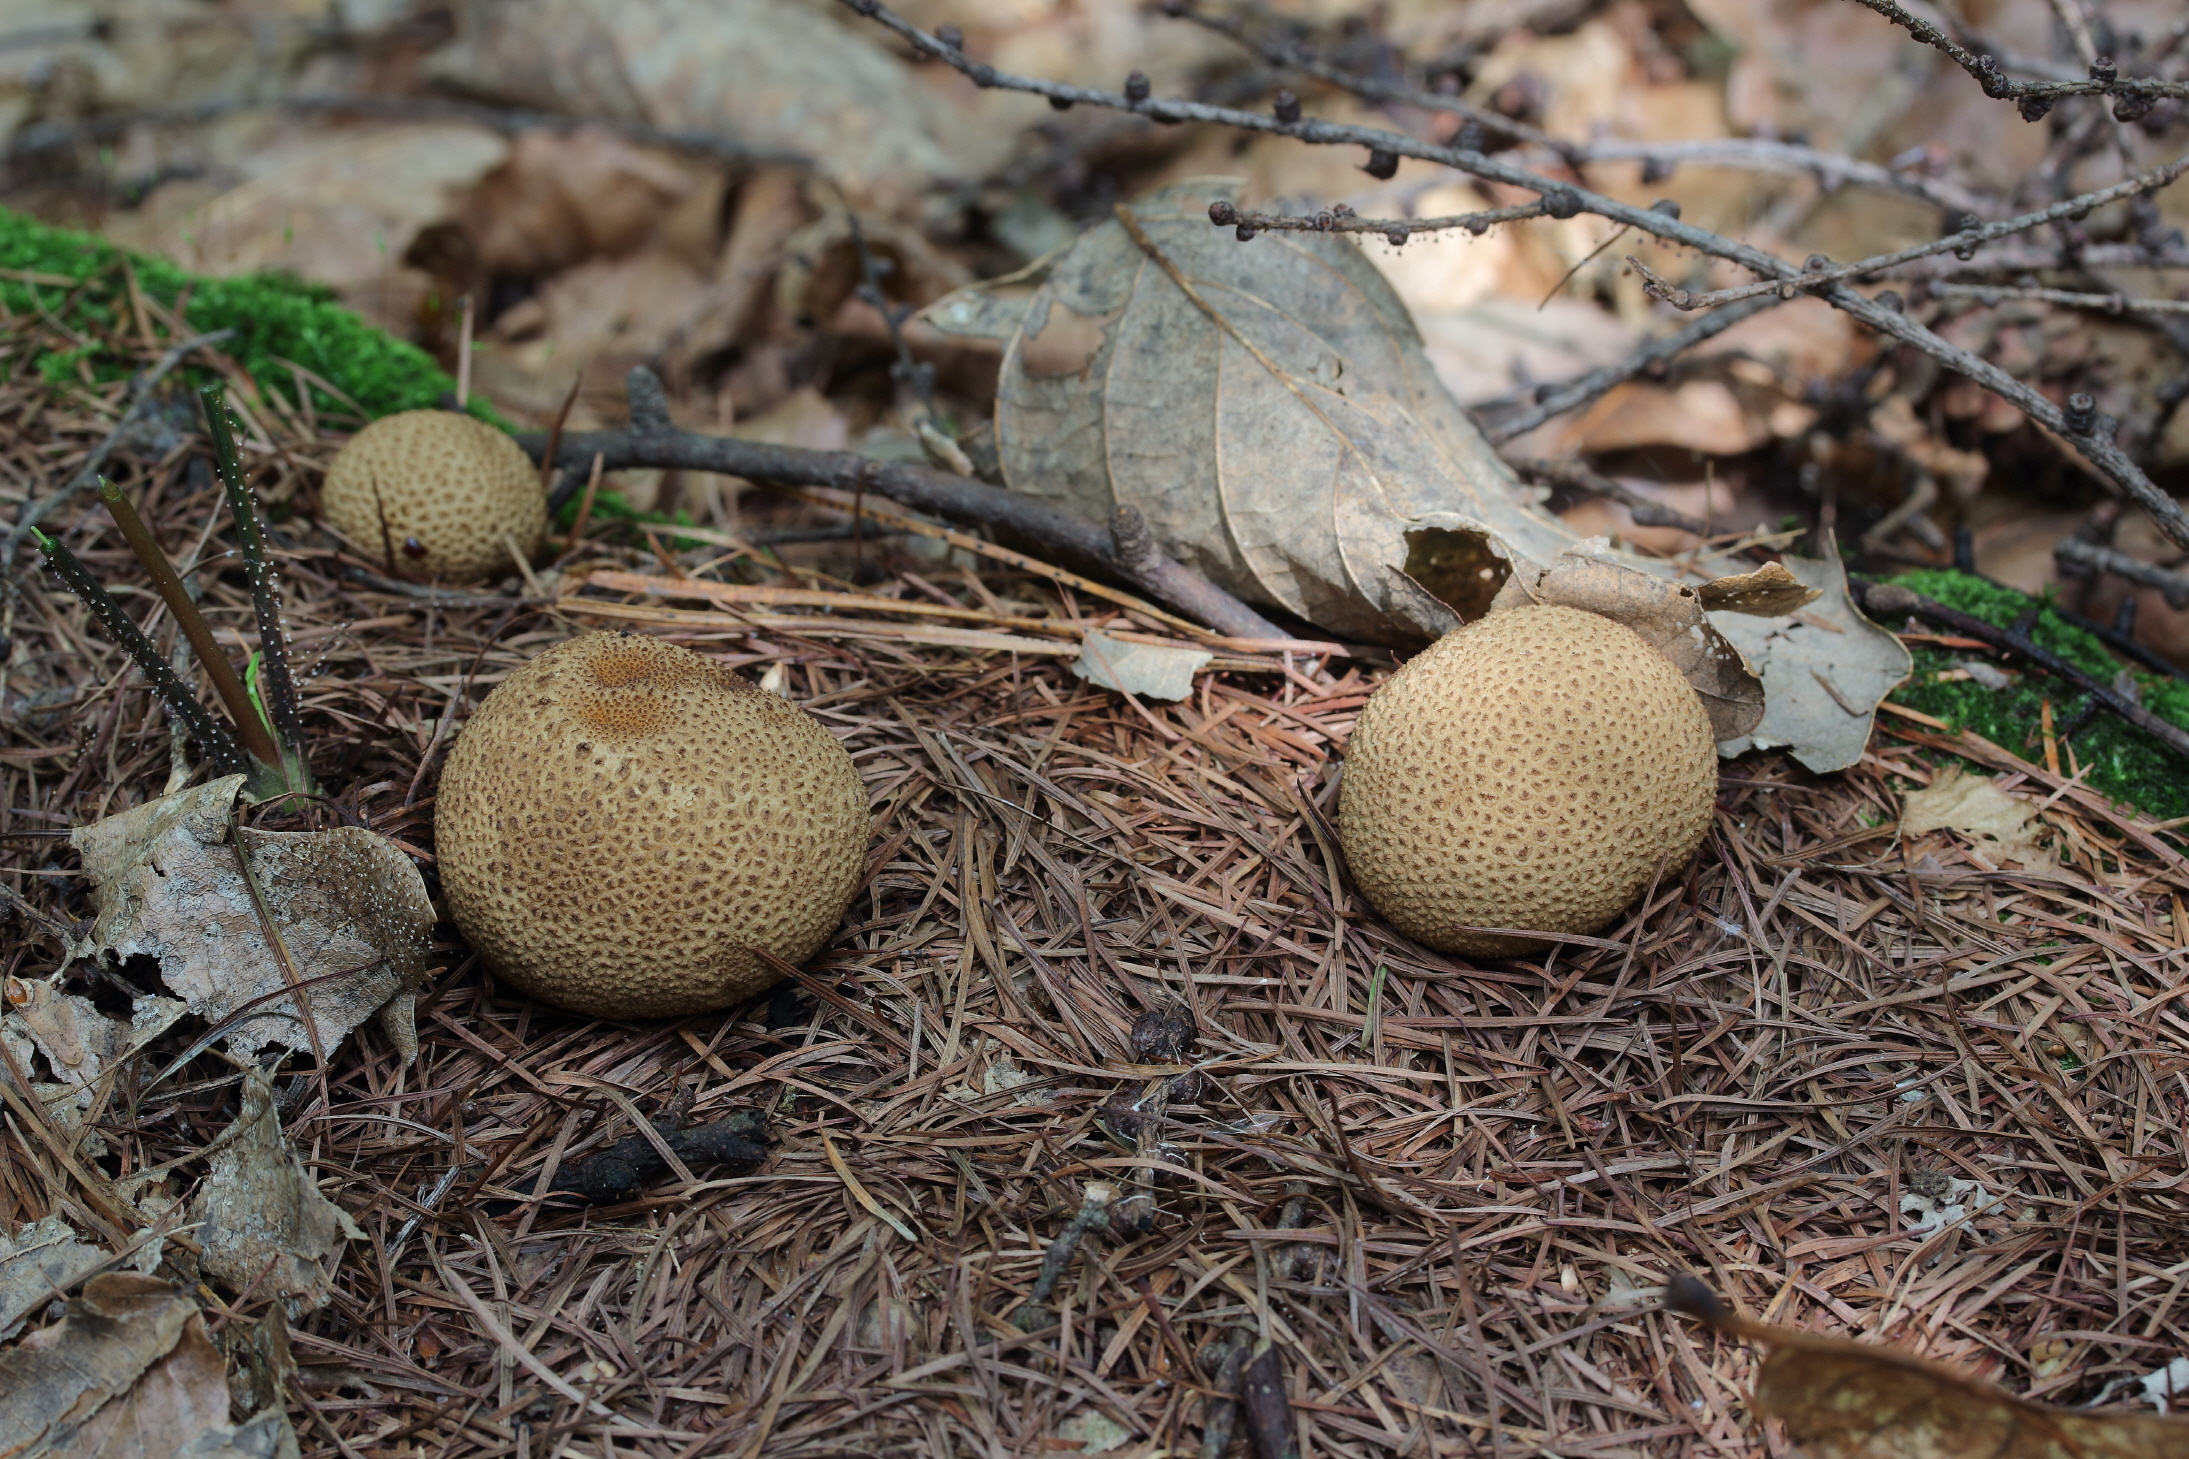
[628, 830]
[1535, 770]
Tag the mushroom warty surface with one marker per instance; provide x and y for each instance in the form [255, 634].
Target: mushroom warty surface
[624, 824]
[1534, 769]
[436, 495]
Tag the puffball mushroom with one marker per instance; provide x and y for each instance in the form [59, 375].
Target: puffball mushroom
[435, 494]
[1533, 769]
[624, 826]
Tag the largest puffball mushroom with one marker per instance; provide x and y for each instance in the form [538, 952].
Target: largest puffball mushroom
[624, 827]
[1532, 770]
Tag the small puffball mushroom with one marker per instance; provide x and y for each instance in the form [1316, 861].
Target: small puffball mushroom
[1534, 769]
[433, 494]
[624, 825]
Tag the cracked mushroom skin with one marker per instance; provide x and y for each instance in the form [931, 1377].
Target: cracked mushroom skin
[435, 495]
[1534, 769]
[624, 825]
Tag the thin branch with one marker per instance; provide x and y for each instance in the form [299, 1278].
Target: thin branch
[2036, 97]
[1961, 243]
[2089, 557]
[1991, 295]
[2089, 432]
[1342, 219]
[1645, 511]
[1659, 159]
[1884, 599]
[652, 442]
[2026, 258]
[1648, 359]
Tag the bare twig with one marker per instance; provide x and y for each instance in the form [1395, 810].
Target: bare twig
[2036, 97]
[1659, 159]
[1648, 359]
[2090, 557]
[1646, 513]
[1962, 244]
[1341, 219]
[1989, 295]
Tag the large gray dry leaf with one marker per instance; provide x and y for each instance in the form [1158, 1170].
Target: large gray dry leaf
[264, 1221]
[776, 76]
[1268, 408]
[350, 908]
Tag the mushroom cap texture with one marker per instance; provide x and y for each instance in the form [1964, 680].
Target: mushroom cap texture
[624, 823]
[1534, 769]
[453, 482]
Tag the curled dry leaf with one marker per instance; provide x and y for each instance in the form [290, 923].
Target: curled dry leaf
[1270, 410]
[1842, 1399]
[129, 1373]
[350, 908]
[262, 1219]
[1668, 616]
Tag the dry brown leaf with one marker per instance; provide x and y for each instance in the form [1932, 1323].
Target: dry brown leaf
[1998, 824]
[263, 1220]
[1842, 1399]
[351, 909]
[1768, 592]
[43, 1258]
[562, 197]
[338, 205]
[1270, 410]
[1824, 669]
[776, 76]
[129, 1373]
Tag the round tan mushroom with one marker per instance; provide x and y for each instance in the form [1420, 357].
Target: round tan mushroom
[436, 495]
[624, 827]
[1534, 770]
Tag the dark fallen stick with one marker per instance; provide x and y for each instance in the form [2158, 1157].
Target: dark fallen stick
[1883, 599]
[616, 1173]
[652, 442]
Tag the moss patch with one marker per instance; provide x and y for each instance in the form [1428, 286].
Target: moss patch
[80, 281]
[2125, 763]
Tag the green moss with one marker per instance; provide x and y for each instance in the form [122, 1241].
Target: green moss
[278, 321]
[2125, 763]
